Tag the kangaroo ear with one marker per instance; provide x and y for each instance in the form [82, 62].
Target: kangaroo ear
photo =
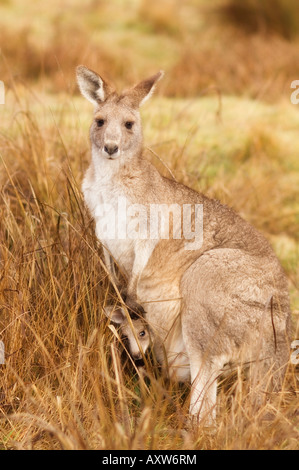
[116, 315]
[141, 92]
[92, 86]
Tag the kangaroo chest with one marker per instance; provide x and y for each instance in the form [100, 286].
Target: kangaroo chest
[118, 225]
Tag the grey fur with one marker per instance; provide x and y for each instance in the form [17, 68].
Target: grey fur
[227, 300]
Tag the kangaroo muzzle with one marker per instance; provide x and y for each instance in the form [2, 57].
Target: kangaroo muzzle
[111, 149]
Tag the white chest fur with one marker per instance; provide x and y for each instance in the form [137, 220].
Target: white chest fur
[116, 222]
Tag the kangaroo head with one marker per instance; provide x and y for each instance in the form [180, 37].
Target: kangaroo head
[116, 131]
[136, 331]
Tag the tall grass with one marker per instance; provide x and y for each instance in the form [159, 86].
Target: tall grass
[200, 46]
[278, 17]
[67, 381]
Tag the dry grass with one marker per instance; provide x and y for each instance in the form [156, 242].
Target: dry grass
[67, 383]
[209, 45]
[267, 17]
[255, 66]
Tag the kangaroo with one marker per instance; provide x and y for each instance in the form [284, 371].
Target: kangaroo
[136, 331]
[223, 298]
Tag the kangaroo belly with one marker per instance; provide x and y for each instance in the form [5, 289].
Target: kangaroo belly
[162, 304]
[178, 363]
[172, 355]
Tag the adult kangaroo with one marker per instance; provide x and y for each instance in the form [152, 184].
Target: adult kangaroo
[222, 298]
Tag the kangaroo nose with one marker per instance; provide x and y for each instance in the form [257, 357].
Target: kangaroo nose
[111, 148]
[137, 356]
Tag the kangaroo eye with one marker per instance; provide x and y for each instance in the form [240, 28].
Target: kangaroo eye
[142, 333]
[129, 124]
[100, 122]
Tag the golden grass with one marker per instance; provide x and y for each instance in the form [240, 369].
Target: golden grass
[199, 46]
[268, 16]
[66, 383]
